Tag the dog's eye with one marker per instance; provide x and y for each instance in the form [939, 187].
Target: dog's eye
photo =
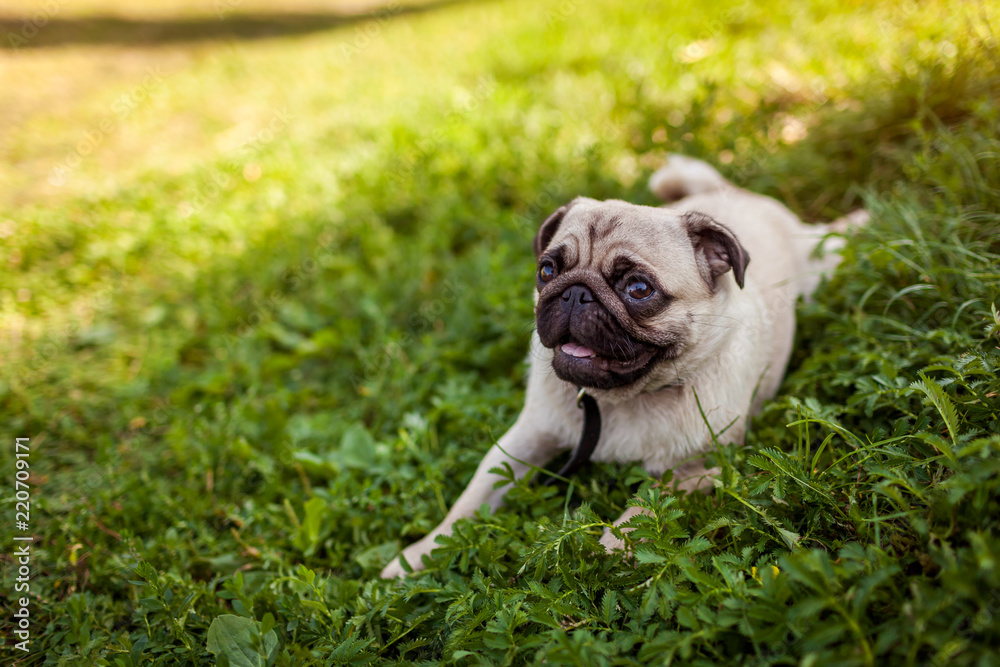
[638, 289]
[547, 271]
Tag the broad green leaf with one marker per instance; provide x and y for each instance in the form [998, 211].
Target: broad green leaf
[232, 636]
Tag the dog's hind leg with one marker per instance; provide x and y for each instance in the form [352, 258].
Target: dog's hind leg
[821, 262]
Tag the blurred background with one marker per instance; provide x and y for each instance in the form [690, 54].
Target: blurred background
[256, 252]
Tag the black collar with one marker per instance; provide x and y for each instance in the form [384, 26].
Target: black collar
[588, 439]
[591, 433]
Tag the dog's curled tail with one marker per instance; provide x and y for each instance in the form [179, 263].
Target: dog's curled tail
[682, 176]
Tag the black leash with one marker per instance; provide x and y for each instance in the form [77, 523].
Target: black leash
[588, 439]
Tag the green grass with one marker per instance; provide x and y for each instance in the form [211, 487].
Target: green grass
[262, 334]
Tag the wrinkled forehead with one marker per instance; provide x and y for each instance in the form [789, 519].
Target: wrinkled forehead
[598, 234]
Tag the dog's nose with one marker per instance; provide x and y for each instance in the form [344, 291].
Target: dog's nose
[576, 294]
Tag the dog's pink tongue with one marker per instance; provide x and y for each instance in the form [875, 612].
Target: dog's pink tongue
[575, 350]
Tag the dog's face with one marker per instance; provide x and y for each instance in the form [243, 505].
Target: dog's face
[625, 292]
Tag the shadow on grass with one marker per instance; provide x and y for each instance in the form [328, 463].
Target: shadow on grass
[847, 150]
[20, 33]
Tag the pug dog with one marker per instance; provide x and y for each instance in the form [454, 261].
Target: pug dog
[678, 321]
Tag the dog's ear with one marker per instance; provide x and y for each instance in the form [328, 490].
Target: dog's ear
[718, 245]
[549, 229]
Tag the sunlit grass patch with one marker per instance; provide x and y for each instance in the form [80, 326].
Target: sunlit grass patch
[269, 323]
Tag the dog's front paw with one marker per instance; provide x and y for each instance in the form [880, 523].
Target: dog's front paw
[394, 570]
[611, 543]
[414, 556]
